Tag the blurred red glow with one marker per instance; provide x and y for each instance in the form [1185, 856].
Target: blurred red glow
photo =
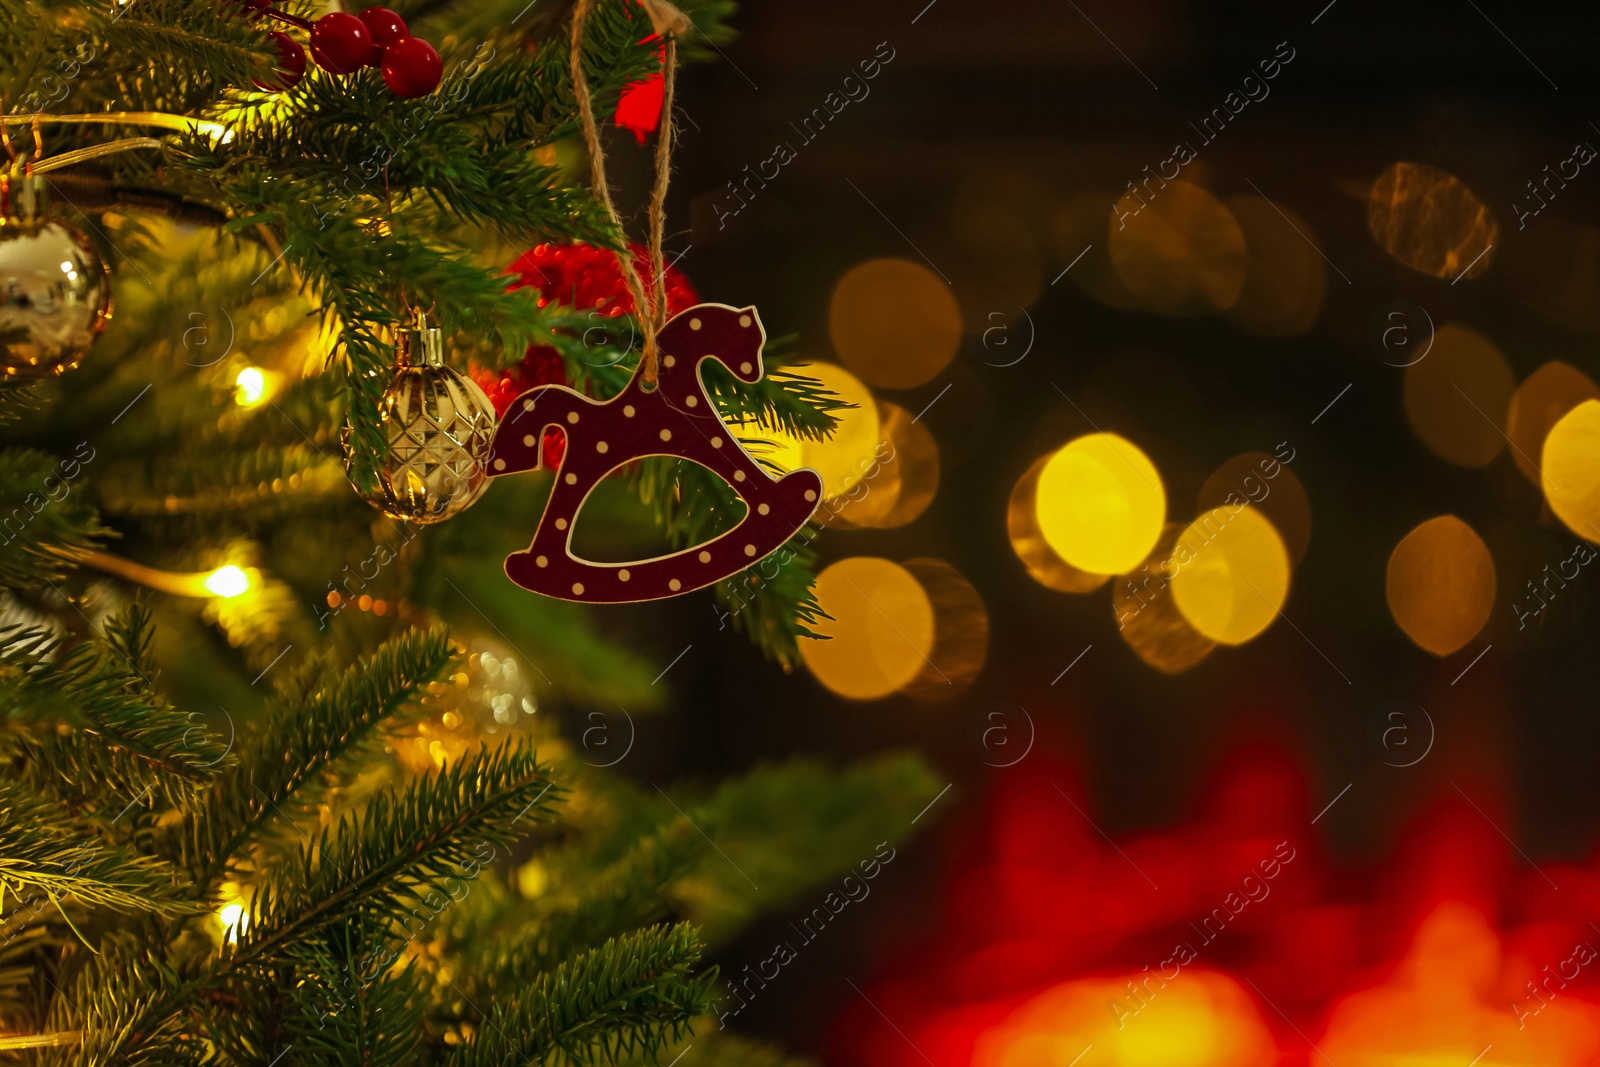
[1232, 940]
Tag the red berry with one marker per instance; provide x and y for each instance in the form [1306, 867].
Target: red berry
[291, 64]
[341, 44]
[412, 67]
[385, 26]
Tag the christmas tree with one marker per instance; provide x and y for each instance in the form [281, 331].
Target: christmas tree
[286, 785]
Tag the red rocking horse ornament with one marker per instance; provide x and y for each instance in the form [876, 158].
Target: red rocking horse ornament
[676, 419]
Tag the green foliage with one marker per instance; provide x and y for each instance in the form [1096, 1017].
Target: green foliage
[500, 907]
[625, 998]
[40, 518]
[110, 737]
[314, 726]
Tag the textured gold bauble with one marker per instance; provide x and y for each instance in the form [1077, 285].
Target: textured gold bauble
[55, 290]
[437, 426]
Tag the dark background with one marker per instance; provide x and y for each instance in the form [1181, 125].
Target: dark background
[1006, 110]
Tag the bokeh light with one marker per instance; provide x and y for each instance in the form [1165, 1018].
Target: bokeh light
[1446, 1001]
[960, 632]
[1028, 542]
[1537, 405]
[1429, 220]
[894, 323]
[881, 633]
[1178, 250]
[1100, 503]
[1456, 397]
[843, 459]
[1571, 463]
[1147, 615]
[1285, 278]
[1201, 1019]
[1269, 486]
[907, 480]
[1440, 584]
[1231, 574]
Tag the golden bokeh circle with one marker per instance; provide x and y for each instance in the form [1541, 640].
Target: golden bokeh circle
[1429, 220]
[1456, 397]
[1268, 485]
[1538, 404]
[881, 632]
[1178, 249]
[960, 632]
[894, 323]
[1147, 615]
[1285, 279]
[1571, 463]
[1230, 574]
[843, 459]
[1440, 584]
[1027, 540]
[1100, 503]
[907, 479]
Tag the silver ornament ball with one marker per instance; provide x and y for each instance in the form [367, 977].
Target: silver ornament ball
[55, 290]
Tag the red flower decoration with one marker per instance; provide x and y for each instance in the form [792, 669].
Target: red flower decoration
[639, 106]
[577, 276]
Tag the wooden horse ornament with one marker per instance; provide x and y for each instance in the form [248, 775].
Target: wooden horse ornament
[677, 419]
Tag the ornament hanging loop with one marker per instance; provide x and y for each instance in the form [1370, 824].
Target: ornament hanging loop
[650, 303]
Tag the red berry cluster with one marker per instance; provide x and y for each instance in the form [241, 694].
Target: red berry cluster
[343, 44]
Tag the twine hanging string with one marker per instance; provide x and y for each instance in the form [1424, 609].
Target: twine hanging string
[650, 303]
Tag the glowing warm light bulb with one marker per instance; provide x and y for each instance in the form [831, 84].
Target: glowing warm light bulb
[250, 387]
[227, 582]
[231, 916]
[1100, 504]
[1231, 574]
[1440, 584]
[1570, 469]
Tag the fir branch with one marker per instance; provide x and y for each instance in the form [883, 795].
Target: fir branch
[118, 740]
[402, 843]
[788, 826]
[41, 852]
[628, 997]
[774, 602]
[122, 1005]
[586, 907]
[41, 518]
[304, 737]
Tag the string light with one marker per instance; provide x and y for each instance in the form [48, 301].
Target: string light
[226, 582]
[250, 387]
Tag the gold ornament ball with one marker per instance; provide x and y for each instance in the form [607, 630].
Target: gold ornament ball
[55, 290]
[437, 428]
